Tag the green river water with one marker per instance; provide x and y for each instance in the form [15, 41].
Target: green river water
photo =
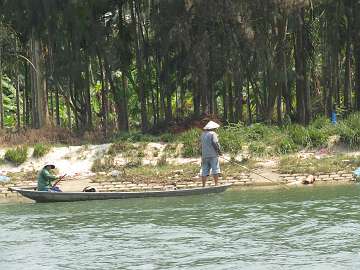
[301, 228]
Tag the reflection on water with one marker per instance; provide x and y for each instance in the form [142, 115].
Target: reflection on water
[301, 228]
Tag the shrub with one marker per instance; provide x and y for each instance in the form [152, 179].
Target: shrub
[191, 141]
[231, 138]
[171, 150]
[298, 134]
[167, 137]
[257, 132]
[135, 137]
[134, 162]
[17, 155]
[127, 149]
[321, 122]
[40, 150]
[349, 130]
[103, 164]
[286, 146]
[162, 161]
[317, 137]
[257, 148]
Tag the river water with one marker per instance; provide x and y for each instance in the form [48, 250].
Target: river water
[301, 228]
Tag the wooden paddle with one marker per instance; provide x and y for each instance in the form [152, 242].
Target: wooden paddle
[60, 178]
[252, 171]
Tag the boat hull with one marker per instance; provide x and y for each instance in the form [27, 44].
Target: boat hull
[45, 196]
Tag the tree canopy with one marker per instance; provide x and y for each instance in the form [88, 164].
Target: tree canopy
[113, 65]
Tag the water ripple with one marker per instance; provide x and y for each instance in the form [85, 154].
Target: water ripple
[310, 228]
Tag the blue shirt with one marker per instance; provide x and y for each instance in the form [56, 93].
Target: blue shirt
[209, 144]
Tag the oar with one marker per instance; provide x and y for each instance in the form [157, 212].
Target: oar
[60, 178]
[252, 171]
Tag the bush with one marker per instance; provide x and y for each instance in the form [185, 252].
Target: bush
[162, 161]
[258, 148]
[102, 164]
[17, 155]
[126, 149]
[298, 134]
[191, 143]
[349, 130]
[317, 137]
[321, 122]
[257, 132]
[40, 150]
[135, 137]
[286, 146]
[231, 138]
[167, 137]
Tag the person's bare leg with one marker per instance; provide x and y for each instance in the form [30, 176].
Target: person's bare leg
[203, 179]
[216, 179]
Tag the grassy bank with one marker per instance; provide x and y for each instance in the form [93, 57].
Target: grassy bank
[265, 140]
[256, 141]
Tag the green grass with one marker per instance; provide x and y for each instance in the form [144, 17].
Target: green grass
[171, 150]
[191, 142]
[260, 139]
[41, 150]
[16, 155]
[290, 164]
[127, 149]
[103, 164]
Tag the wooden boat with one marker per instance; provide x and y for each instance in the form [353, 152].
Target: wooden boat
[46, 196]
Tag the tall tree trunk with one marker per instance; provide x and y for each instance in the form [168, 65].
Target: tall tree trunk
[18, 122]
[299, 66]
[347, 79]
[39, 101]
[104, 100]
[57, 107]
[88, 110]
[239, 99]
[137, 28]
[68, 113]
[248, 103]
[125, 120]
[357, 76]
[1, 93]
[27, 100]
[226, 97]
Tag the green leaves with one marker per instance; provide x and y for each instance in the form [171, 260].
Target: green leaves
[17, 155]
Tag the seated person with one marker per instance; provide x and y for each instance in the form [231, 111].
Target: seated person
[45, 178]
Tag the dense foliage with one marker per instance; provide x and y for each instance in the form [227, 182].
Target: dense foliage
[111, 65]
[16, 155]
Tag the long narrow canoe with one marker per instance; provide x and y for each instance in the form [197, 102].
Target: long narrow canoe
[45, 196]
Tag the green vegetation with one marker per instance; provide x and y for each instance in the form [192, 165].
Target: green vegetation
[161, 174]
[162, 161]
[127, 149]
[187, 60]
[191, 142]
[171, 150]
[349, 131]
[17, 155]
[103, 164]
[41, 150]
[258, 139]
[292, 164]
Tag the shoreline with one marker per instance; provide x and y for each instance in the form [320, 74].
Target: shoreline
[9, 197]
[160, 166]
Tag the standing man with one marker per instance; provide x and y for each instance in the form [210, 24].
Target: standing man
[45, 177]
[210, 152]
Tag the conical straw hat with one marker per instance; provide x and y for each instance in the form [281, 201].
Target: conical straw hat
[211, 125]
[49, 164]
